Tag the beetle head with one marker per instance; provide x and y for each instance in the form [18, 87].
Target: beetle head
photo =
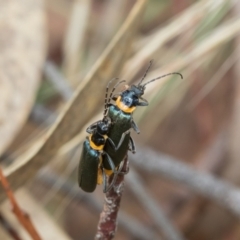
[130, 97]
[103, 126]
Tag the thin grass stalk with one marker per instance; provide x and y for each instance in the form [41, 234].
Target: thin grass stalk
[136, 184]
[74, 42]
[211, 84]
[59, 82]
[222, 192]
[175, 27]
[232, 172]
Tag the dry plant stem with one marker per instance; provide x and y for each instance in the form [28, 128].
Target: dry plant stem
[107, 224]
[58, 80]
[68, 124]
[162, 222]
[232, 172]
[11, 231]
[75, 39]
[196, 12]
[22, 217]
[203, 183]
[42, 115]
[211, 84]
[128, 223]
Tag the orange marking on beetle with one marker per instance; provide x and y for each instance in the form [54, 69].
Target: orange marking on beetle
[99, 177]
[95, 147]
[123, 107]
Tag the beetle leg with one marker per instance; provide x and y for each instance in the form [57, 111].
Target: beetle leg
[110, 161]
[143, 103]
[113, 168]
[121, 166]
[135, 127]
[120, 142]
[132, 145]
[119, 171]
[111, 185]
[106, 187]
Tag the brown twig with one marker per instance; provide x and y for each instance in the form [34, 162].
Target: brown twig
[107, 224]
[22, 217]
[130, 224]
[10, 230]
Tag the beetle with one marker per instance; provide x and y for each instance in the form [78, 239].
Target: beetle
[121, 114]
[91, 171]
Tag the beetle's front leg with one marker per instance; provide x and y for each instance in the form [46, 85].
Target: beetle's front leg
[106, 187]
[132, 145]
[144, 103]
[120, 142]
[135, 127]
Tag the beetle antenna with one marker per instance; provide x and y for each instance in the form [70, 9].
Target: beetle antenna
[150, 64]
[106, 97]
[162, 77]
[116, 85]
[109, 99]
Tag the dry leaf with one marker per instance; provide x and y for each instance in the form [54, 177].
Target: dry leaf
[22, 51]
[84, 103]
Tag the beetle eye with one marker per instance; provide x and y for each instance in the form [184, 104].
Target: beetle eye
[128, 101]
[105, 128]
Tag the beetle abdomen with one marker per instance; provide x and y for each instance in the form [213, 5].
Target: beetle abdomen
[88, 168]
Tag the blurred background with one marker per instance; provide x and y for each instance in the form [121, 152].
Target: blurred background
[56, 59]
